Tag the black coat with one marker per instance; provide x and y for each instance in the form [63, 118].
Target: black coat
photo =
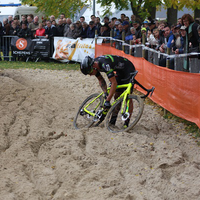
[193, 36]
[24, 33]
[14, 31]
[84, 32]
[60, 30]
[2, 33]
[50, 31]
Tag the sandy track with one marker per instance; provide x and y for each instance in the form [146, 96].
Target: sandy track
[43, 157]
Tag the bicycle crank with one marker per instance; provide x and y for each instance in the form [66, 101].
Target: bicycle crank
[125, 116]
[98, 115]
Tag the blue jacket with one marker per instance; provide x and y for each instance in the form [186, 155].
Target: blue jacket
[91, 32]
[171, 37]
[129, 37]
[118, 35]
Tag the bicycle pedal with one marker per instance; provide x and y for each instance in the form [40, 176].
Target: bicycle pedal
[125, 126]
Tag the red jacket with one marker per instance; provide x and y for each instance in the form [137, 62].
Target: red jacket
[40, 32]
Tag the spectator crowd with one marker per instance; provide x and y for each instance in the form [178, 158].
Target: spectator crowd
[182, 37]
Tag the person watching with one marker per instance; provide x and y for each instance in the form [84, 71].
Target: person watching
[40, 31]
[91, 30]
[50, 30]
[82, 19]
[192, 33]
[33, 26]
[60, 27]
[25, 32]
[14, 30]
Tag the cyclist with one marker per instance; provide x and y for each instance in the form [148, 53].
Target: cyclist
[118, 70]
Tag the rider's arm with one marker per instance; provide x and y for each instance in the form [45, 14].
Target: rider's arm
[102, 82]
[113, 87]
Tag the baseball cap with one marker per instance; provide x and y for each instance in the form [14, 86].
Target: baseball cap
[117, 23]
[125, 23]
[183, 27]
[145, 22]
[178, 26]
[143, 29]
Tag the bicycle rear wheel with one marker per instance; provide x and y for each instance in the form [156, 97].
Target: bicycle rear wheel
[83, 119]
[116, 122]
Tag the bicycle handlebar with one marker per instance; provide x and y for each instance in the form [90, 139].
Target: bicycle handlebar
[149, 91]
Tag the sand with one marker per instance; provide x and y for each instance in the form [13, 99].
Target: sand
[43, 157]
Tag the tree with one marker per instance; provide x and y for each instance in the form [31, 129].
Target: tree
[197, 13]
[144, 8]
[197, 9]
[172, 14]
[141, 8]
[172, 11]
[174, 5]
[56, 7]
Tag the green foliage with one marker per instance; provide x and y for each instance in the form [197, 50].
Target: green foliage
[56, 7]
[190, 4]
[141, 8]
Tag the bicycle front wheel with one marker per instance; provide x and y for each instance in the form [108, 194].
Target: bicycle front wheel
[83, 119]
[117, 122]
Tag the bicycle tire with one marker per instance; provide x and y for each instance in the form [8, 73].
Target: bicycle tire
[86, 121]
[138, 107]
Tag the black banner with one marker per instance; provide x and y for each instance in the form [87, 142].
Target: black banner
[38, 48]
[22, 46]
[41, 48]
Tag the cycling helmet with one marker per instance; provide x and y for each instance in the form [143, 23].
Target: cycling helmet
[86, 65]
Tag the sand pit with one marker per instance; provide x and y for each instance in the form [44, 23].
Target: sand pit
[43, 157]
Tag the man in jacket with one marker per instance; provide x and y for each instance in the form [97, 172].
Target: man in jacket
[91, 30]
[50, 31]
[25, 32]
[84, 30]
[33, 26]
[60, 28]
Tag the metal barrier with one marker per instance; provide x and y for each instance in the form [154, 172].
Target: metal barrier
[180, 62]
[5, 46]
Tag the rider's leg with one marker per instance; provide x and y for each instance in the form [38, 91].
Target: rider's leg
[117, 109]
[130, 110]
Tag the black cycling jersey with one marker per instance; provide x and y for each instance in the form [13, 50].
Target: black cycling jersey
[110, 63]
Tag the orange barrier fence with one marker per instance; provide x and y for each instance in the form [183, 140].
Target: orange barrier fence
[177, 92]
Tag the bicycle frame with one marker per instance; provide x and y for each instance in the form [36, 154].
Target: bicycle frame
[124, 95]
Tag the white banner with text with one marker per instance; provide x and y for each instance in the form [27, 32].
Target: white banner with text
[67, 49]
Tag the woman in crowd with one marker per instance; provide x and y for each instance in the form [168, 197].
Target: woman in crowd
[192, 33]
[40, 31]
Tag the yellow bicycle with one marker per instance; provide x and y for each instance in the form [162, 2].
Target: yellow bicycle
[123, 115]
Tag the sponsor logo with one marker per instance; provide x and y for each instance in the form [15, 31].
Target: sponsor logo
[21, 53]
[21, 44]
[107, 67]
